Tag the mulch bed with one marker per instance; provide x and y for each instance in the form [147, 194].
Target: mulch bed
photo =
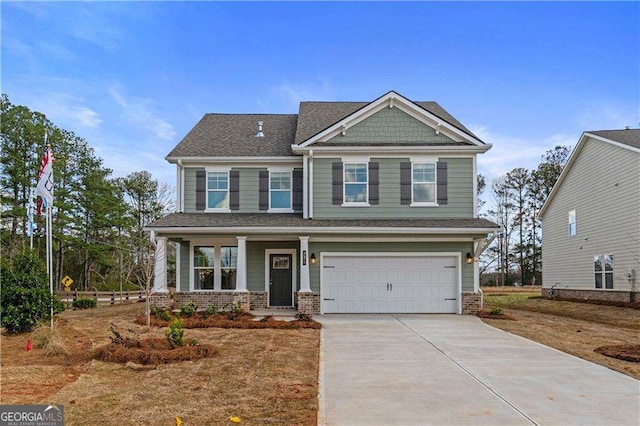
[487, 314]
[152, 352]
[225, 320]
[625, 352]
[632, 305]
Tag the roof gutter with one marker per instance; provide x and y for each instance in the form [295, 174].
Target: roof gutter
[389, 148]
[316, 230]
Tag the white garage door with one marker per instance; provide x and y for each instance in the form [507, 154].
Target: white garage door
[389, 284]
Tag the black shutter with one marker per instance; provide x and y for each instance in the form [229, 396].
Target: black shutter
[234, 190]
[297, 186]
[442, 182]
[337, 182]
[264, 190]
[374, 178]
[405, 183]
[201, 189]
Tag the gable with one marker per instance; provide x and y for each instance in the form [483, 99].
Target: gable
[389, 126]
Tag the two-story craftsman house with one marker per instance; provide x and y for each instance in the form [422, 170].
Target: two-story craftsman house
[350, 207]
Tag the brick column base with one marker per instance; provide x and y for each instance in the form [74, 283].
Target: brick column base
[471, 303]
[244, 300]
[308, 303]
[160, 300]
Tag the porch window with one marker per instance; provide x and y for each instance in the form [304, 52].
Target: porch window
[356, 179]
[280, 190]
[204, 267]
[218, 190]
[229, 266]
[603, 269]
[423, 183]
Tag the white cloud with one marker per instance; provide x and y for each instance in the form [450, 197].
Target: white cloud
[294, 93]
[139, 111]
[64, 108]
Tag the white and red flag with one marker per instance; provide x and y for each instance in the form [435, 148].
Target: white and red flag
[45, 181]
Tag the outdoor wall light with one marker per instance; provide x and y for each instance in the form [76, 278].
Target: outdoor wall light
[469, 258]
[313, 258]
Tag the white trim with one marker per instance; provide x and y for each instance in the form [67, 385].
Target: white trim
[572, 215]
[311, 184]
[179, 188]
[433, 203]
[475, 186]
[389, 240]
[345, 183]
[457, 255]
[355, 159]
[399, 101]
[204, 161]
[406, 150]
[178, 275]
[216, 243]
[305, 281]
[319, 230]
[281, 170]
[305, 187]
[212, 169]
[267, 264]
[572, 158]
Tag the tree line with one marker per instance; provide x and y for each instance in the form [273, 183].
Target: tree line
[98, 219]
[515, 256]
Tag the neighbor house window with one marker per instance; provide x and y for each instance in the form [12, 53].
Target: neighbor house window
[203, 267]
[356, 177]
[572, 222]
[228, 266]
[603, 269]
[280, 190]
[423, 182]
[218, 190]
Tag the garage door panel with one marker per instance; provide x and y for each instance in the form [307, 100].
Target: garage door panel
[388, 284]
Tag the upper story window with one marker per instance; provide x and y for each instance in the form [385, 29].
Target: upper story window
[218, 190]
[280, 190]
[572, 223]
[203, 267]
[356, 178]
[603, 269]
[423, 183]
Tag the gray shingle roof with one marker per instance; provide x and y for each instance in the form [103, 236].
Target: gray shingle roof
[629, 137]
[258, 220]
[234, 135]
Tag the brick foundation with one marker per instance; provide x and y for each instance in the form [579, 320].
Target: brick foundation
[308, 303]
[623, 296]
[471, 303]
[220, 300]
[160, 300]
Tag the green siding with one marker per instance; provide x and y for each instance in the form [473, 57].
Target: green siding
[460, 192]
[249, 190]
[462, 248]
[184, 266]
[190, 189]
[256, 261]
[390, 125]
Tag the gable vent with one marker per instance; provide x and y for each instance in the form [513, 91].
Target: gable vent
[259, 134]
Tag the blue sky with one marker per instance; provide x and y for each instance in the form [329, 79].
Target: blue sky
[133, 78]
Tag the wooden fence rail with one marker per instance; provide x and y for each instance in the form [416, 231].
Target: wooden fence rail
[111, 297]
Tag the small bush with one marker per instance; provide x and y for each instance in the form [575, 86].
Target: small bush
[84, 303]
[51, 340]
[175, 333]
[301, 316]
[211, 310]
[161, 313]
[188, 310]
[497, 310]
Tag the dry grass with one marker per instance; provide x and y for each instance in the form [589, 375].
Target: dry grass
[243, 321]
[50, 339]
[263, 376]
[531, 289]
[574, 328]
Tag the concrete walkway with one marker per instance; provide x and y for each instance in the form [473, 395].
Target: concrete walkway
[454, 370]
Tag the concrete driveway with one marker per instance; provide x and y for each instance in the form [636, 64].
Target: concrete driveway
[453, 370]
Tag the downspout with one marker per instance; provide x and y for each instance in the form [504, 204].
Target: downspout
[180, 192]
[310, 184]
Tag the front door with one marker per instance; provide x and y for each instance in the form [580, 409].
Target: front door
[280, 280]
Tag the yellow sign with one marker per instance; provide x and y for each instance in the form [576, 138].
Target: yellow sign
[67, 281]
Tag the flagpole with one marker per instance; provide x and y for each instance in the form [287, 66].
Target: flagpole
[50, 258]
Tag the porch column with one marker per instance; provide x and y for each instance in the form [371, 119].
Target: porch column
[160, 267]
[305, 284]
[241, 272]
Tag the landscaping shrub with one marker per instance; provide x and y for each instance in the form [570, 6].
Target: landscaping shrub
[301, 316]
[49, 339]
[25, 298]
[175, 333]
[211, 310]
[84, 303]
[161, 313]
[188, 310]
[497, 310]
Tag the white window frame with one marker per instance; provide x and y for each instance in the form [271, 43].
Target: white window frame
[604, 271]
[227, 267]
[281, 210]
[223, 209]
[573, 231]
[195, 268]
[433, 203]
[217, 244]
[346, 203]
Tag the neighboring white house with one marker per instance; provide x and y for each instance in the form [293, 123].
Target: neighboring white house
[591, 220]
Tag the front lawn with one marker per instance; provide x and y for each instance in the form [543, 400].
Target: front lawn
[264, 376]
